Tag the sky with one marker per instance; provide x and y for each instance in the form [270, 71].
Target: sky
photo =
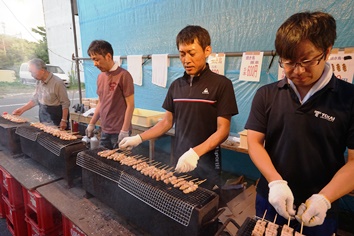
[18, 17]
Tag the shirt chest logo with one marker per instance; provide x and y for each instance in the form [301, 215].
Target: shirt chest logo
[206, 91]
[112, 86]
[325, 116]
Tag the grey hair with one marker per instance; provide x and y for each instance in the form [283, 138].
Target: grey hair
[38, 63]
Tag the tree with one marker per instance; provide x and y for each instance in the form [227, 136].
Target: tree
[41, 50]
[14, 51]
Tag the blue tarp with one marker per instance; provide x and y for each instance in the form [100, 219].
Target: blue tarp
[148, 27]
[145, 27]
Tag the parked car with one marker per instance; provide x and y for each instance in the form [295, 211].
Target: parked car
[26, 77]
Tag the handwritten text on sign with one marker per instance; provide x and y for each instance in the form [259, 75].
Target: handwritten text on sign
[217, 63]
[251, 66]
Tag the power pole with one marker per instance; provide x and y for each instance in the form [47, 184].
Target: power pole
[73, 10]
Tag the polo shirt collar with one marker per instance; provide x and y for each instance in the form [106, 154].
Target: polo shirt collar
[114, 67]
[187, 77]
[50, 75]
[326, 80]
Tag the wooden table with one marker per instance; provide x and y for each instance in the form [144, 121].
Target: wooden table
[236, 147]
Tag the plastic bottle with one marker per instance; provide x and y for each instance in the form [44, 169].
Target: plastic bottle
[75, 126]
[94, 142]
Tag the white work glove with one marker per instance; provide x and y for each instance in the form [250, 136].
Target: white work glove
[129, 142]
[187, 162]
[281, 198]
[122, 134]
[313, 211]
[89, 130]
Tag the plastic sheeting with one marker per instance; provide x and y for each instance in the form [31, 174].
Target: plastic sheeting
[148, 27]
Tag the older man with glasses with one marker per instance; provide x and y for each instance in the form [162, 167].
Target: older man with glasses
[299, 129]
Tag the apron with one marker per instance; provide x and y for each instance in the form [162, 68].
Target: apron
[50, 114]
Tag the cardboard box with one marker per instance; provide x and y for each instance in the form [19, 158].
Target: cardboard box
[93, 100]
[93, 105]
[243, 139]
[239, 208]
[146, 118]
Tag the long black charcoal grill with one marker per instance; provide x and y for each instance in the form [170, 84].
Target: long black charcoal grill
[59, 156]
[9, 139]
[152, 205]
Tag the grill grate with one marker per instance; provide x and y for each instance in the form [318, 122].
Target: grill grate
[55, 144]
[247, 227]
[166, 199]
[167, 204]
[28, 132]
[97, 167]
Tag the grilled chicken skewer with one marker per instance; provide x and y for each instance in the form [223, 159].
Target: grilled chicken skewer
[131, 160]
[259, 228]
[193, 187]
[107, 153]
[174, 179]
[272, 228]
[182, 181]
[287, 230]
[157, 175]
[167, 175]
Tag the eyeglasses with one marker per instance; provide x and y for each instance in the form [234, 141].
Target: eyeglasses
[306, 63]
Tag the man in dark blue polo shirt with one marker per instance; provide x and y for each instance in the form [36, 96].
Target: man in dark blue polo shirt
[299, 129]
[200, 105]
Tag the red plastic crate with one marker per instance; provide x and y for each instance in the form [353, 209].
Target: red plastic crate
[1, 169]
[2, 207]
[11, 190]
[15, 219]
[70, 229]
[39, 211]
[34, 230]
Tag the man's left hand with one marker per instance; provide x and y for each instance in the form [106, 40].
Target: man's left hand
[313, 212]
[122, 134]
[187, 162]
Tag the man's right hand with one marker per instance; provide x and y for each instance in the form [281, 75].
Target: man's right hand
[17, 112]
[129, 142]
[89, 130]
[281, 198]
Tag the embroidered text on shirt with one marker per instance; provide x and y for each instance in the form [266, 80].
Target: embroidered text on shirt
[324, 116]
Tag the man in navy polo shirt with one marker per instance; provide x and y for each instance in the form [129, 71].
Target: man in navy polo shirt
[200, 104]
[300, 127]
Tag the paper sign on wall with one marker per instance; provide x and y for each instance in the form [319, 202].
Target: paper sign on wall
[342, 63]
[117, 59]
[281, 73]
[217, 63]
[251, 66]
